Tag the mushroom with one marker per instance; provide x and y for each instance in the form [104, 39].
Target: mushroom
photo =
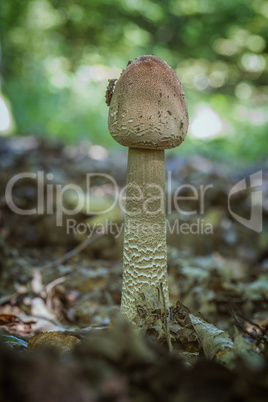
[148, 114]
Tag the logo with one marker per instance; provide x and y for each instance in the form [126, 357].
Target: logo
[255, 220]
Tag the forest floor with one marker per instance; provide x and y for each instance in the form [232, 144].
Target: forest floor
[61, 334]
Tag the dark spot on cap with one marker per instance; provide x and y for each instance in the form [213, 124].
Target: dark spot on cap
[169, 112]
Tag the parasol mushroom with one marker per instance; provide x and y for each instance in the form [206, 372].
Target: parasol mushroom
[148, 114]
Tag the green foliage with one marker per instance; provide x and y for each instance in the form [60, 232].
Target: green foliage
[59, 54]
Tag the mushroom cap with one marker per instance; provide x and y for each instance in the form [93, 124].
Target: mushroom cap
[148, 107]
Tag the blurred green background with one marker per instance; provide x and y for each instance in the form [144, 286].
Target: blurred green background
[57, 55]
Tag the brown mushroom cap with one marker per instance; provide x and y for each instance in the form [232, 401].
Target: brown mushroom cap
[148, 107]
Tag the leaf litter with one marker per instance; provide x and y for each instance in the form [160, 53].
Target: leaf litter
[61, 334]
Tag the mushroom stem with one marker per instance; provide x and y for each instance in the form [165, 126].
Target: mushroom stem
[145, 257]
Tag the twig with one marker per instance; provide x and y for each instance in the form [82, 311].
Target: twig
[170, 347]
[238, 314]
[71, 253]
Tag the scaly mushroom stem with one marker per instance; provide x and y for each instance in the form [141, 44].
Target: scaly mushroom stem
[145, 256]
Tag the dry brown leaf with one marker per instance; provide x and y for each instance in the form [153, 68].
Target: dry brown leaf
[218, 345]
[212, 339]
[60, 342]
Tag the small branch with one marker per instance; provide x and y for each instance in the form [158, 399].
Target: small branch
[238, 316]
[170, 347]
[71, 253]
